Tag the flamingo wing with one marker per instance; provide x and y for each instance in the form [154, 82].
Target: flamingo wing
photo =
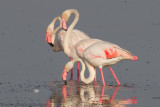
[98, 53]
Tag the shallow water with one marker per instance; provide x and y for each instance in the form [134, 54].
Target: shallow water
[76, 94]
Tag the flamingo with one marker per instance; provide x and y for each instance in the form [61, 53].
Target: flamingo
[70, 65]
[75, 36]
[76, 53]
[113, 52]
[106, 54]
[51, 33]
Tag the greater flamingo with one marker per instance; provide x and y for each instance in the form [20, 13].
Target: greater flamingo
[76, 52]
[106, 54]
[70, 65]
[81, 46]
[51, 33]
[75, 36]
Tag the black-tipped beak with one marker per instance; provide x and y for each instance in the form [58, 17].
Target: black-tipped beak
[65, 29]
[52, 45]
[65, 82]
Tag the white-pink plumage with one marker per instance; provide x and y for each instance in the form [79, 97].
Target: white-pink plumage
[94, 52]
[105, 54]
[75, 36]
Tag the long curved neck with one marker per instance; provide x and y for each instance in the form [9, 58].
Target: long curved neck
[91, 74]
[51, 26]
[54, 32]
[53, 36]
[59, 27]
[66, 37]
[90, 69]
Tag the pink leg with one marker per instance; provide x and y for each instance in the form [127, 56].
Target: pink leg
[102, 92]
[95, 90]
[77, 71]
[71, 87]
[102, 76]
[114, 76]
[77, 91]
[95, 74]
[71, 71]
[64, 92]
[71, 90]
[114, 94]
[133, 100]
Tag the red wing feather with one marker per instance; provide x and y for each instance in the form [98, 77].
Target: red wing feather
[110, 53]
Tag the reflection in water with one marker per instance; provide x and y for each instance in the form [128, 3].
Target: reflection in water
[81, 95]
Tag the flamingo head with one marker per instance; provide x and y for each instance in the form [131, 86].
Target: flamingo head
[49, 35]
[67, 68]
[51, 31]
[65, 16]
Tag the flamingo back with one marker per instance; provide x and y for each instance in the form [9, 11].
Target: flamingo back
[105, 53]
[83, 44]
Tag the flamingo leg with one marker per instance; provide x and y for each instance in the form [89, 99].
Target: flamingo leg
[71, 87]
[71, 71]
[102, 93]
[64, 92]
[115, 77]
[114, 94]
[95, 90]
[77, 71]
[102, 76]
[95, 74]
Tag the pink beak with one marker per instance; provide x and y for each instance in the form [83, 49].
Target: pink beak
[64, 25]
[64, 74]
[48, 38]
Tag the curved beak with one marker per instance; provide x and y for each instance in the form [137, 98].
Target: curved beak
[48, 38]
[64, 76]
[64, 25]
[52, 45]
